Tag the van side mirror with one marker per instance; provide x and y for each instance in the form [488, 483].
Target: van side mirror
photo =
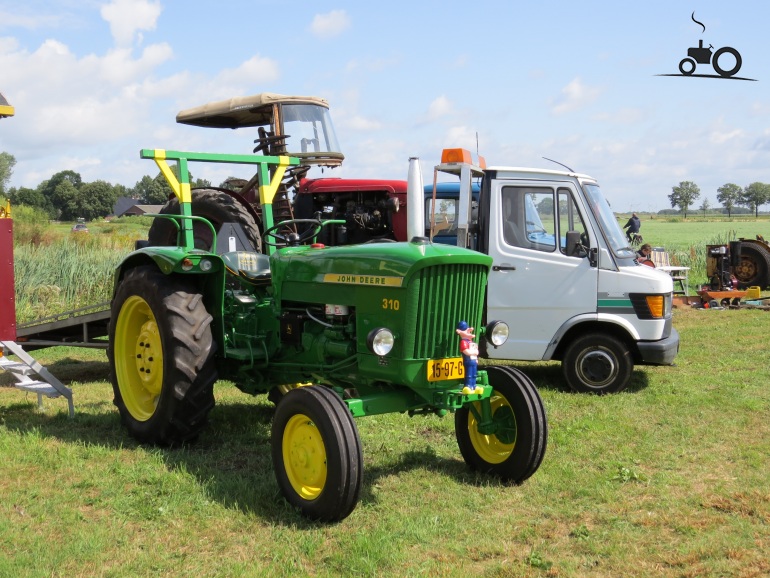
[575, 247]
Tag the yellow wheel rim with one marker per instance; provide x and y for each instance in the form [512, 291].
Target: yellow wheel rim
[304, 457]
[495, 448]
[138, 355]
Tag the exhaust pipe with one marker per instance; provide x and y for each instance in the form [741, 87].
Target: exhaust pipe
[415, 206]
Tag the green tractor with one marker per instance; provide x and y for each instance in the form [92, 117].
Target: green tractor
[329, 333]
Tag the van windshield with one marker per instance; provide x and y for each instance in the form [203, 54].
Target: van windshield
[606, 218]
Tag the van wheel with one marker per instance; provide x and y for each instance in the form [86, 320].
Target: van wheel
[596, 363]
[515, 447]
[317, 454]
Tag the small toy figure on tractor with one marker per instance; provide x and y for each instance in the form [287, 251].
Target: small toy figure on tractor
[331, 333]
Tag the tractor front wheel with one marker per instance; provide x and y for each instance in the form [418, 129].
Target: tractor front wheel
[515, 445]
[317, 454]
[161, 357]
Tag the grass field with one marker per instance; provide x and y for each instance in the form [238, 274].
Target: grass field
[666, 479]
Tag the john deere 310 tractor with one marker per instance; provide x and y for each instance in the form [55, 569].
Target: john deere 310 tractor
[333, 333]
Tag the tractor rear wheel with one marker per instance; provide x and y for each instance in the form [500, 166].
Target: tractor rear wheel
[753, 268]
[161, 354]
[317, 454]
[217, 207]
[515, 450]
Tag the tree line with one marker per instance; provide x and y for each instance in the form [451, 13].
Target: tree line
[66, 197]
[730, 195]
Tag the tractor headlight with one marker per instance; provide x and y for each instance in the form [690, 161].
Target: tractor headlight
[380, 341]
[496, 333]
[206, 265]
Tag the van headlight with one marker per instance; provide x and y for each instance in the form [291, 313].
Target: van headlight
[496, 333]
[380, 341]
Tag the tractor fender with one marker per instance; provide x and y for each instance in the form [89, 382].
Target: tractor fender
[169, 260]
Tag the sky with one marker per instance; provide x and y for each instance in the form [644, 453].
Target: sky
[582, 83]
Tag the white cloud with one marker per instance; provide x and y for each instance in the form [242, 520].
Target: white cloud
[257, 69]
[439, 107]
[460, 137]
[331, 24]
[721, 137]
[28, 21]
[625, 116]
[127, 18]
[359, 123]
[574, 96]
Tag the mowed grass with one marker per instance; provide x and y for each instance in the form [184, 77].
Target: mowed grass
[686, 239]
[666, 479]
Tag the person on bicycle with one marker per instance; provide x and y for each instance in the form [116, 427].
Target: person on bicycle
[633, 225]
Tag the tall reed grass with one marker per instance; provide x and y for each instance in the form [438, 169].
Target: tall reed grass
[57, 273]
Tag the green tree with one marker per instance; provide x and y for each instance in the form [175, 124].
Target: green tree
[705, 206]
[61, 197]
[232, 183]
[65, 200]
[151, 191]
[754, 195]
[96, 199]
[683, 195]
[7, 162]
[729, 195]
[24, 196]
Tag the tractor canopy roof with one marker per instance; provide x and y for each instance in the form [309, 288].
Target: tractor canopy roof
[243, 111]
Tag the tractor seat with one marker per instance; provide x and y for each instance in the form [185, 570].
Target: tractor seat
[253, 267]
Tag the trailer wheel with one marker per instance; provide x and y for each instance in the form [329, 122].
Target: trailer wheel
[515, 450]
[753, 267]
[317, 453]
[217, 207]
[596, 363]
[161, 357]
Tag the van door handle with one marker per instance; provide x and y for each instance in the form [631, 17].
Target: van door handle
[503, 268]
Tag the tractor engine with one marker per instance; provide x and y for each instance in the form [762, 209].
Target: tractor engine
[320, 334]
[370, 208]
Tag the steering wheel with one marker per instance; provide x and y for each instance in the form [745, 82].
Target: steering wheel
[292, 239]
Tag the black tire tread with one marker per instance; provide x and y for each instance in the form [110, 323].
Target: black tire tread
[572, 380]
[214, 205]
[336, 501]
[531, 423]
[189, 372]
[761, 259]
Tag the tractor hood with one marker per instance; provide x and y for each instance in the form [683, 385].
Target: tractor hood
[385, 264]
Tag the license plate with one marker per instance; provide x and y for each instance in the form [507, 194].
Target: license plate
[443, 369]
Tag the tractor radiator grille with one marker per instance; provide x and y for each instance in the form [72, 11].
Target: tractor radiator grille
[446, 294]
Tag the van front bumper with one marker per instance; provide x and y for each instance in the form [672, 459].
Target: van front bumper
[661, 352]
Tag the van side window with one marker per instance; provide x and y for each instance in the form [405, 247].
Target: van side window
[569, 220]
[528, 218]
